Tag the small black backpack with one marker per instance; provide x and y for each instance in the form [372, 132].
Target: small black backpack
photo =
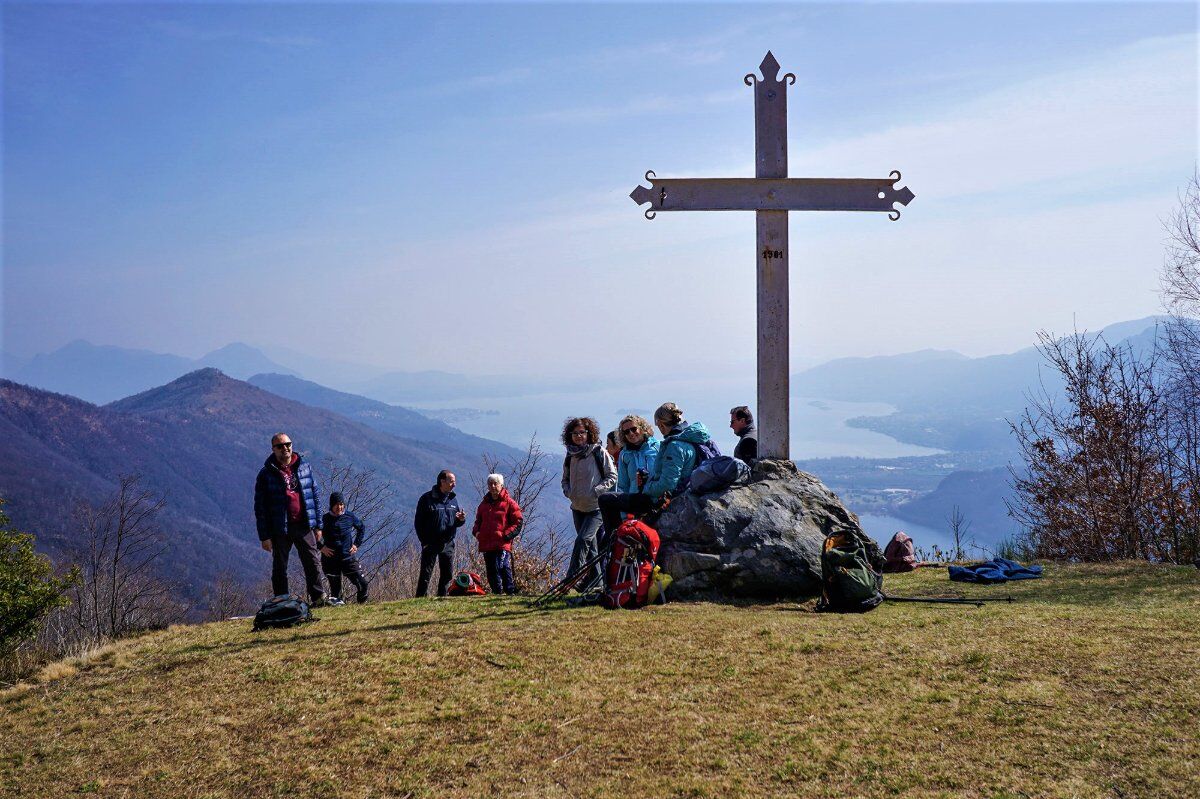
[285, 610]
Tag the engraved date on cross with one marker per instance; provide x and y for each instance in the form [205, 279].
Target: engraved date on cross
[768, 254]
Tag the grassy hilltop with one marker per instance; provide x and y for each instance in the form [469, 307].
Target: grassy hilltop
[1088, 686]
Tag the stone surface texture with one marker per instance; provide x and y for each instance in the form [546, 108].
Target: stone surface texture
[759, 540]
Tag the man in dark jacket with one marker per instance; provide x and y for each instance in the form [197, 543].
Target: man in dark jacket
[288, 514]
[437, 520]
[741, 421]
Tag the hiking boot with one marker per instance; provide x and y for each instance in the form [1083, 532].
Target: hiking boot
[334, 602]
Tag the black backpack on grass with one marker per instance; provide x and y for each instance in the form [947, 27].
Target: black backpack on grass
[285, 610]
[851, 573]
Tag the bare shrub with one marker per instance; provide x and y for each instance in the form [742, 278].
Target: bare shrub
[959, 528]
[397, 578]
[1092, 487]
[1180, 433]
[228, 596]
[542, 550]
[120, 590]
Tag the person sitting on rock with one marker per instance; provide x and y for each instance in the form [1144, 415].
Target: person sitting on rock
[638, 455]
[741, 422]
[677, 457]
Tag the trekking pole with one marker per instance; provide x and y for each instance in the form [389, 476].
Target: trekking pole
[567, 583]
[944, 600]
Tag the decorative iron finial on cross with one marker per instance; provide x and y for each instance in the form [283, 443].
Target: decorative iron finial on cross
[771, 194]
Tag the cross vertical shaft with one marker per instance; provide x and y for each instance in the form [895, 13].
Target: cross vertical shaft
[770, 161]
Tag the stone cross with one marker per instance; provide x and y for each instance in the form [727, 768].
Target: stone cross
[771, 194]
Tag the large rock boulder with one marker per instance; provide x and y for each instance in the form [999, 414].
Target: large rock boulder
[760, 540]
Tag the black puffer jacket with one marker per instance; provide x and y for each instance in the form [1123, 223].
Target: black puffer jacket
[270, 498]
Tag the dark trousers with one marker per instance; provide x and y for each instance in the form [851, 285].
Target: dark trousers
[499, 571]
[445, 563]
[613, 505]
[335, 566]
[306, 547]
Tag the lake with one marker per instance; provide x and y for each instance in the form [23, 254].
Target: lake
[819, 427]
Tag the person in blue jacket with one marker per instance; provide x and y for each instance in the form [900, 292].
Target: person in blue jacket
[638, 454]
[343, 536]
[437, 520]
[677, 457]
[287, 511]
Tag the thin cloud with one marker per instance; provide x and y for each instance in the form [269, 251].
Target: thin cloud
[180, 30]
[592, 114]
[505, 77]
[699, 50]
[1127, 112]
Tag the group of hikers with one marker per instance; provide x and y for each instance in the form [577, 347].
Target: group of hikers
[630, 471]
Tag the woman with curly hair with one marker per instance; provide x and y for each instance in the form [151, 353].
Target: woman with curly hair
[588, 472]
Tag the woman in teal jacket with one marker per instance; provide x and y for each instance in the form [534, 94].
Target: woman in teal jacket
[677, 454]
[672, 466]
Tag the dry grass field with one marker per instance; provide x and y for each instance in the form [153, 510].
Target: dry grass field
[1087, 686]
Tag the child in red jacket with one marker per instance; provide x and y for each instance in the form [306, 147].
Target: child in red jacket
[496, 525]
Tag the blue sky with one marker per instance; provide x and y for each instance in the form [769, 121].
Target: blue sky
[437, 186]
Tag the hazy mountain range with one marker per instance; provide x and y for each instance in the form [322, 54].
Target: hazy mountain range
[103, 373]
[946, 400]
[959, 404]
[200, 440]
[943, 399]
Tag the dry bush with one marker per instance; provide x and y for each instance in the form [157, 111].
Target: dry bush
[1180, 433]
[1093, 487]
[120, 590]
[227, 597]
[541, 552]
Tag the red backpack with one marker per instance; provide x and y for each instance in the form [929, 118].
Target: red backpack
[634, 549]
[899, 555]
[467, 584]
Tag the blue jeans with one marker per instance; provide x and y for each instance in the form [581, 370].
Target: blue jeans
[587, 527]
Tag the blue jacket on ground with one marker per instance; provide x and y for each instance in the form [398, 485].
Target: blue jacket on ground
[676, 459]
[643, 457]
[435, 520]
[996, 570]
[270, 498]
[342, 532]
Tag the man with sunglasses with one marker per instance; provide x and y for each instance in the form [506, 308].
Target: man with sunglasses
[288, 512]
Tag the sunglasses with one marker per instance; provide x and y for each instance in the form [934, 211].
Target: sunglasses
[282, 445]
[629, 430]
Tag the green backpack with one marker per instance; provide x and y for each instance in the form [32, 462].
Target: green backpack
[851, 578]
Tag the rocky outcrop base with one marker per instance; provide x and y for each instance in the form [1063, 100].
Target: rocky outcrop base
[761, 540]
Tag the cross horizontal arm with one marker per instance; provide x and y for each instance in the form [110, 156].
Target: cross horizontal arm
[772, 194]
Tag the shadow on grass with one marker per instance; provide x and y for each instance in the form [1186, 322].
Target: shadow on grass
[266, 638]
